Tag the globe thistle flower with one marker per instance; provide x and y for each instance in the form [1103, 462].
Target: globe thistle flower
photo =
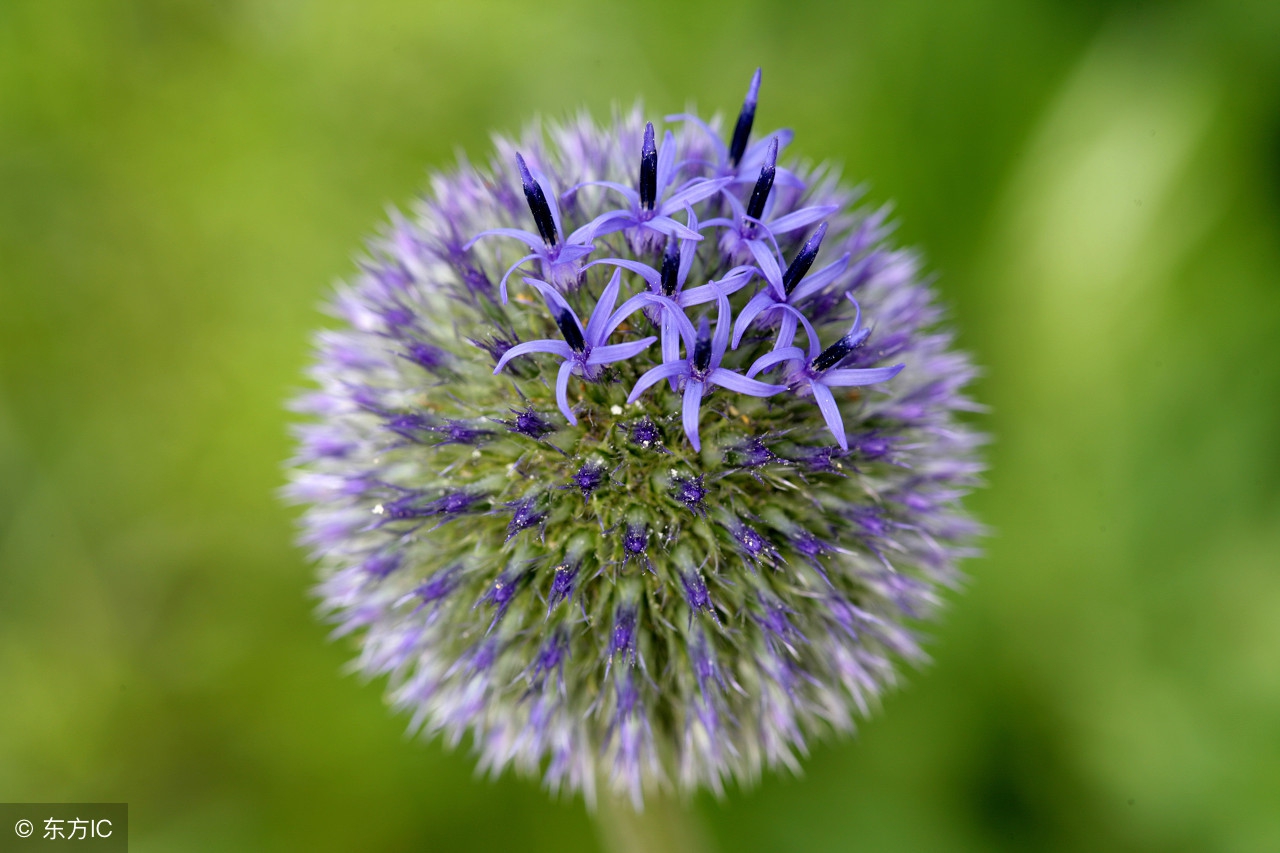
[610, 563]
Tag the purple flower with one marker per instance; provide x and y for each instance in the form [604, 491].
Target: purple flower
[739, 161]
[561, 260]
[668, 283]
[702, 368]
[647, 218]
[821, 372]
[584, 350]
[790, 290]
[754, 229]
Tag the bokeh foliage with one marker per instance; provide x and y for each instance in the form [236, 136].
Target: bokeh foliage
[1097, 185]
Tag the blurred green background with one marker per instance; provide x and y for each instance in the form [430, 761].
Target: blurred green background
[1097, 185]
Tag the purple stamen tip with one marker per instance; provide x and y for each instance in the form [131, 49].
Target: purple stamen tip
[702, 346]
[759, 195]
[670, 267]
[648, 170]
[742, 130]
[537, 204]
[804, 260]
[840, 350]
[525, 177]
[571, 330]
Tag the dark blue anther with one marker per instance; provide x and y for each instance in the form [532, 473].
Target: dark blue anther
[804, 260]
[670, 266]
[538, 205]
[648, 170]
[702, 346]
[571, 330]
[742, 130]
[759, 195]
[840, 350]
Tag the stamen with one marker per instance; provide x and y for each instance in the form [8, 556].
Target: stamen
[571, 330]
[840, 350]
[804, 260]
[755, 208]
[742, 130]
[702, 346]
[538, 205]
[670, 266]
[648, 170]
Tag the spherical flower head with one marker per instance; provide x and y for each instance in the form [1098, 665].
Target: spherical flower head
[637, 456]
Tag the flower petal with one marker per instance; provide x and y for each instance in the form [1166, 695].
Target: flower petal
[562, 391]
[742, 385]
[773, 359]
[676, 313]
[820, 279]
[714, 137]
[559, 348]
[802, 217]
[667, 225]
[692, 408]
[628, 308]
[808, 328]
[652, 277]
[552, 297]
[720, 339]
[619, 352]
[831, 412]
[761, 301]
[654, 375]
[768, 264]
[666, 162]
[533, 241]
[694, 193]
[850, 377]
[502, 285]
[605, 223]
[599, 320]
